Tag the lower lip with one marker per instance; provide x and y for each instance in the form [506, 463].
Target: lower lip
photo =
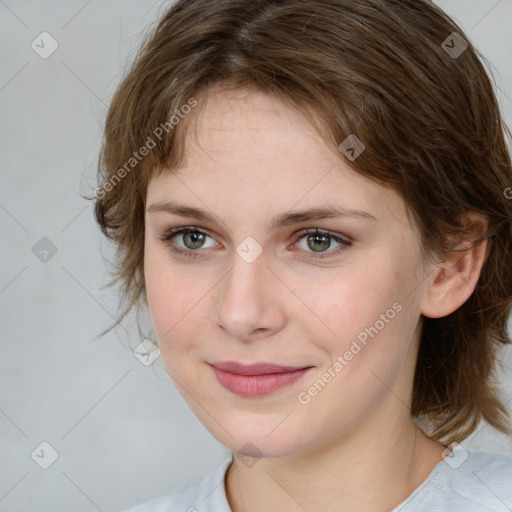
[257, 385]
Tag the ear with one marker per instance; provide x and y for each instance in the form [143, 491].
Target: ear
[454, 280]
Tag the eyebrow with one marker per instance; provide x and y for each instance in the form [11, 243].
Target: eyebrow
[284, 219]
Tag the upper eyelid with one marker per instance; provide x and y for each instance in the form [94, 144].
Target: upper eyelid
[183, 229]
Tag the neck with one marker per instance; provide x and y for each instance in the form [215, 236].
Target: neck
[365, 469]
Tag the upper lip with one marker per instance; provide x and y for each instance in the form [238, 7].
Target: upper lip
[256, 368]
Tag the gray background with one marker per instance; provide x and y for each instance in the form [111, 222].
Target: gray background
[122, 432]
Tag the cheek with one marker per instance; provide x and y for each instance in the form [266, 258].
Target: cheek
[170, 302]
[368, 313]
[180, 308]
[347, 302]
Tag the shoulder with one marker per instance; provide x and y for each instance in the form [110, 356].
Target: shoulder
[204, 493]
[476, 481]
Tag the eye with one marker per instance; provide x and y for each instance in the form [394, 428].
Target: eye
[193, 239]
[319, 241]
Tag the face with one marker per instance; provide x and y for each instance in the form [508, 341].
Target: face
[333, 298]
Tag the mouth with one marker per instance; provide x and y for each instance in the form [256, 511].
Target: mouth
[256, 379]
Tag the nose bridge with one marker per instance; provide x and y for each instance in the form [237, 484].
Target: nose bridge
[247, 272]
[244, 283]
[245, 303]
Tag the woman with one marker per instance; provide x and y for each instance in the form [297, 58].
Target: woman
[310, 198]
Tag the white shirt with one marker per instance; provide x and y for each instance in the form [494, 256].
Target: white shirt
[463, 482]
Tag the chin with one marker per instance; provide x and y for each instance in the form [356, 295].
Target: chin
[255, 441]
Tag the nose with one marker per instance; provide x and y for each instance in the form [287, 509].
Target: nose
[249, 302]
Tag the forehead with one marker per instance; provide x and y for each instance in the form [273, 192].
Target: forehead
[230, 120]
[256, 153]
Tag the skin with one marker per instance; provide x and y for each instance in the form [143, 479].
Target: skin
[353, 446]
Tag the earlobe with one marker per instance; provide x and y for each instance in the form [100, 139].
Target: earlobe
[454, 280]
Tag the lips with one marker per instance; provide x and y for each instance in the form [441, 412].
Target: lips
[256, 379]
[255, 369]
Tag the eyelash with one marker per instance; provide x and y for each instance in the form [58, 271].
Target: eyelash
[190, 253]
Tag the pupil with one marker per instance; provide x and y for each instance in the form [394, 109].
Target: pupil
[196, 239]
[323, 239]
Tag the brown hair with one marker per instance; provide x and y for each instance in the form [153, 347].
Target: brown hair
[379, 69]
